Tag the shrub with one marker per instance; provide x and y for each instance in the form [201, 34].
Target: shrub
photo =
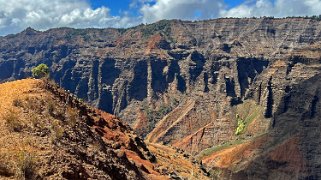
[18, 164]
[51, 108]
[154, 115]
[26, 165]
[13, 121]
[40, 71]
[6, 169]
[33, 104]
[240, 125]
[57, 130]
[35, 121]
[72, 115]
[161, 26]
[163, 110]
[17, 103]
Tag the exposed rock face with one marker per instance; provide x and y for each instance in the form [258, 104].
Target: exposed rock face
[47, 133]
[176, 82]
[289, 150]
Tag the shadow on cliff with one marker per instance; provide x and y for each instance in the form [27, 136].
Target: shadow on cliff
[292, 147]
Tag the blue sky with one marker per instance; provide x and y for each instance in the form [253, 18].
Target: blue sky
[233, 3]
[119, 6]
[115, 6]
[17, 15]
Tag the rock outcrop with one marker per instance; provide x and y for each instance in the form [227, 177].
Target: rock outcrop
[289, 150]
[48, 133]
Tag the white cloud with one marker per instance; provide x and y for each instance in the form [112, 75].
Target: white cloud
[204, 9]
[280, 8]
[44, 14]
[181, 9]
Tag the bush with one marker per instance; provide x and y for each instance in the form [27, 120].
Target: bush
[17, 103]
[35, 121]
[40, 71]
[6, 168]
[57, 130]
[26, 165]
[240, 125]
[72, 115]
[161, 26]
[12, 121]
[51, 108]
[154, 115]
[18, 164]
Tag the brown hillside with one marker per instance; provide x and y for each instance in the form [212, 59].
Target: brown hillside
[48, 133]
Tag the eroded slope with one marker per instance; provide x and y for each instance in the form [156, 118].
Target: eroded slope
[48, 133]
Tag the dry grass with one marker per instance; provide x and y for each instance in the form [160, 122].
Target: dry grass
[50, 108]
[18, 164]
[17, 103]
[169, 160]
[17, 150]
[235, 155]
[26, 164]
[12, 121]
[10, 96]
[6, 168]
[72, 116]
[45, 124]
[253, 117]
[57, 130]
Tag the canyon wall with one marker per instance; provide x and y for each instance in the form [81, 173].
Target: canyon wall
[178, 82]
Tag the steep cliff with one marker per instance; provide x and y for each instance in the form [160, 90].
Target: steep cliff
[195, 85]
[289, 150]
[47, 133]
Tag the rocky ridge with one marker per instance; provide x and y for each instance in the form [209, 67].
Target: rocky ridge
[48, 133]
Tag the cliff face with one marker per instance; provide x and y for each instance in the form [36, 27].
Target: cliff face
[189, 84]
[289, 150]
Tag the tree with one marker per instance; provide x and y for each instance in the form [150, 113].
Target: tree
[40, 71]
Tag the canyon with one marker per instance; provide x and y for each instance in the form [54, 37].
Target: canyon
[241, 95]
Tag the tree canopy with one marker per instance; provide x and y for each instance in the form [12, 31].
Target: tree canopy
[40, 71]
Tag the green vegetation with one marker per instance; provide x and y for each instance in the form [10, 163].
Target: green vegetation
[240, 125]
[40, 71]
[246, 113]
[155, 114]
[215, 173]
[163, 26]
[26, 164]
[51, 108]
[122, 30]
[21, 165]
[72, 33]
[315, 17]
[209, 151]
